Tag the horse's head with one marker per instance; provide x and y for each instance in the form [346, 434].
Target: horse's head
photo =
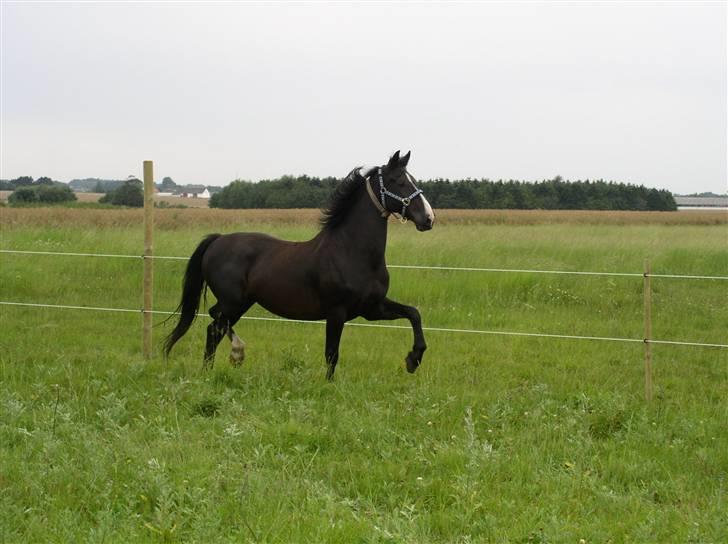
[399, 194]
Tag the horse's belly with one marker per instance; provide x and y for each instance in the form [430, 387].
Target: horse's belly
[292, 304]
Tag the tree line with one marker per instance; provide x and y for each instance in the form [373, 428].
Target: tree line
[552, 194]
[26, 181]
[29, 191]
[44, 190]
[313, 192]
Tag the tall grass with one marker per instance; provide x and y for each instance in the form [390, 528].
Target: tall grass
[494, 439]
[173, 219]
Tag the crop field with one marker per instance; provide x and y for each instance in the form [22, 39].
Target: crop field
[494, 439]
[92, 198]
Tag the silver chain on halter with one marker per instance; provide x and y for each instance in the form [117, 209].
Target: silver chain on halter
[383, 191]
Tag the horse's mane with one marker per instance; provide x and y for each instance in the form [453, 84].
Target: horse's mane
[343, 198]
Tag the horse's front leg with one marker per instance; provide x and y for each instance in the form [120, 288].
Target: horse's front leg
[334, 327]
[388, 309]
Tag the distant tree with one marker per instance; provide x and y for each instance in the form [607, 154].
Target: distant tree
[43, 181]
[168, 184]
[129, 194]
[553, 194]
[660, 200]
[91, 185]
[22, 181]
[545, 195]
[42, 193]
[55, 193]
[23, 195]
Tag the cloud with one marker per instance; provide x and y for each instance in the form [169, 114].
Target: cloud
[631, 92]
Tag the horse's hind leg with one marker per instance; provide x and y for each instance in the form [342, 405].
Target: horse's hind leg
[224, 317]
[237, 353]
[215, 331]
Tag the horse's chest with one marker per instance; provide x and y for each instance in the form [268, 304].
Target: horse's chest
[369, 292]
[371, 295]
[356, 286]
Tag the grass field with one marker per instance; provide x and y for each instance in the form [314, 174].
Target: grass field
[494, 439]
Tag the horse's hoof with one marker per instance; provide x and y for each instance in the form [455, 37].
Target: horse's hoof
[237, 356]
[412, 362]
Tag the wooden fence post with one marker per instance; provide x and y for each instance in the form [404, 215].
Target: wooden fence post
[648, 331]
[148, 261]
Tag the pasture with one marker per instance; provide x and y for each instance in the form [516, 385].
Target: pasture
[494, 439]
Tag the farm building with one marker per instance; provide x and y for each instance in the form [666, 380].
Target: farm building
[702, 201]
[194, 191]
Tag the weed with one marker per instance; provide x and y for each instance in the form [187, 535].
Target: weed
[206, 408]
[606, 425]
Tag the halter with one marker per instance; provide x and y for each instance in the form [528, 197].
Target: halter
[383, 191]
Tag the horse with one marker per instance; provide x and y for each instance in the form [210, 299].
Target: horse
[338, 275]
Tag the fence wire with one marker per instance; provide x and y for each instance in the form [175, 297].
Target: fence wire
[401, 266]
[382, 326]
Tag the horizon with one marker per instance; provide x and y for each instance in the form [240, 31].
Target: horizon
[452, 180]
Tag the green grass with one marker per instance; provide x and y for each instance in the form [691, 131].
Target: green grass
[494, 439]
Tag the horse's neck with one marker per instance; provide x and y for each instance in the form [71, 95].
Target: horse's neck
[364, 229]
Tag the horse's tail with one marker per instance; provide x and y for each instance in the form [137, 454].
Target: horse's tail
[192, 287]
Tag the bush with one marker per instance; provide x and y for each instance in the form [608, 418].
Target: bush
[50, 194]
[55, 193]
[130, 194]
[23, 195]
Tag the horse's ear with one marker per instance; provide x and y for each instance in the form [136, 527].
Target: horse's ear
[404, 160]
[394, 160]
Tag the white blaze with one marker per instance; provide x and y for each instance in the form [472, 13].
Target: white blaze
[428, 209]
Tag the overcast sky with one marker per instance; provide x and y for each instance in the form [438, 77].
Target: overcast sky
[632, 92]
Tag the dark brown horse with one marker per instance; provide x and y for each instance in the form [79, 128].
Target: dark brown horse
[338, 275]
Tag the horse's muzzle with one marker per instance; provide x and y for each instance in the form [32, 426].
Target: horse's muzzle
[424, 226]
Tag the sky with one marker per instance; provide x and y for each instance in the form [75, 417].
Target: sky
[633, 92]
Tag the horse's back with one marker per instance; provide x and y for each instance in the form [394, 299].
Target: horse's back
[228, 260]
[238, 248]
[257, 267]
